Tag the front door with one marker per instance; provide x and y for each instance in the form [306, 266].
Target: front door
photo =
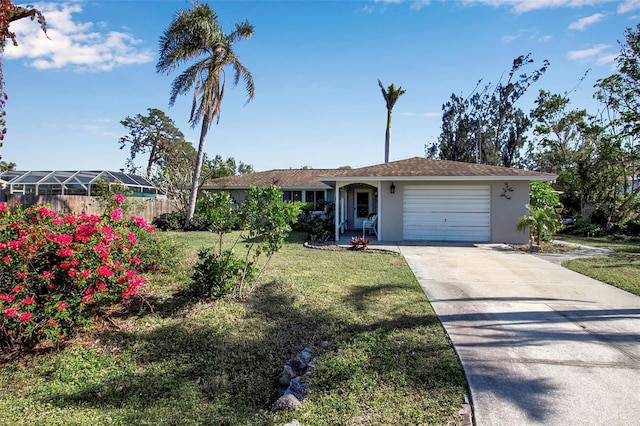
[362, 208]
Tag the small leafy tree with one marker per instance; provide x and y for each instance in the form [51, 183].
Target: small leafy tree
[218, 212]
[542, 195]
[266, 221]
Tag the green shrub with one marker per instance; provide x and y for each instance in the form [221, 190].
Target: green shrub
[173, 221]
[58, 272]
[266, 221]
[220, 274]
[317, 227]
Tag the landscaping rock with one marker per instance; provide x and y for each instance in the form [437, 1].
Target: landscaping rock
[287, 402]
[299, 362]
[293, 383]
[293, 422]
[287, 374]
[297, 388]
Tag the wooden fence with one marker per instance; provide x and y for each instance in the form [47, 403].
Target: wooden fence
[146, 208]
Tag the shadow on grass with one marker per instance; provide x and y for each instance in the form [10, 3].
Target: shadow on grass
[203, 369]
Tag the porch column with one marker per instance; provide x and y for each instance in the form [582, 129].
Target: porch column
[379, 210]
[336, 214]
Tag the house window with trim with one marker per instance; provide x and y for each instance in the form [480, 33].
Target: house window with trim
[291, 196]
[316, 199]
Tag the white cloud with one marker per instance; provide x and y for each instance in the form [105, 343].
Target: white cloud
[521, 6]
[72, 43]
[596, 51]
[510, 38]
[426, 114]
[628, 6]
[419, 4]
[607, 59]
[528, 35]
[582, 23]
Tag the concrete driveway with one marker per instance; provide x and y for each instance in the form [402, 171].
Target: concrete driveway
[539, 344]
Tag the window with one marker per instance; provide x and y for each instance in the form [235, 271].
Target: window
[316, 199]
[291, 196]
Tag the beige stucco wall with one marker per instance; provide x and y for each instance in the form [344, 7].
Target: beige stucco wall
[504, 212]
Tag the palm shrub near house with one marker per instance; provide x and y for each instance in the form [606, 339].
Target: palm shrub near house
[542, 219]
[56, 273]
[265, 220]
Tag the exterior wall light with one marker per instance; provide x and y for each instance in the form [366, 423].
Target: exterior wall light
[392, 188]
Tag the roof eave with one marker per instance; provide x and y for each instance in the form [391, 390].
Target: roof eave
[541, 178]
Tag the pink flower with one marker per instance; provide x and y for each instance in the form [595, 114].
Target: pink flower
[142, 223]
[85, 231]
[3, 207]
[87, 298]
[22, 275]
[28, 301]
[18, 288]
[104, 271]
[46, 212]
[116, 214]
[10, 312]
[48, 275]
[119, 198]
[62, 306]
[101, 286]
[65, 252]
[25, 317]
[6, 259]
[52, 323]
[132, 238]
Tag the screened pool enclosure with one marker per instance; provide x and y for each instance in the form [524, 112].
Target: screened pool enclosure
[71, 182]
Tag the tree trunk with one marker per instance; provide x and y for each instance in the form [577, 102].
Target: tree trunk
[387, 138]
[196, 175]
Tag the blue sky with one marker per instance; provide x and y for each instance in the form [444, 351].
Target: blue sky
[315, 65]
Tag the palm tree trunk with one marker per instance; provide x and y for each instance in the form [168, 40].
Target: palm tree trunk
[387, 138]
[196, 174]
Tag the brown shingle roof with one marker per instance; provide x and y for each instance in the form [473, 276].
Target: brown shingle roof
[416, 167]
[426, 167]
[288, 178]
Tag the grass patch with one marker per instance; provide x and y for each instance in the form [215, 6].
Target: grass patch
[621, 269]
[389, 360]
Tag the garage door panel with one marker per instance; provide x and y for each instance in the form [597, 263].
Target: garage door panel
[447, 213]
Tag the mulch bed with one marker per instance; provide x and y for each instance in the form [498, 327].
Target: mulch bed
[546, 247]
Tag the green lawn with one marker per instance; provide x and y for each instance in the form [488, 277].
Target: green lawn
[389, 360]
[621, 269]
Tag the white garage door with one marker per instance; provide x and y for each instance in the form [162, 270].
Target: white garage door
[447, 213]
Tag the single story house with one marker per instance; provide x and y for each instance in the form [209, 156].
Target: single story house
[417, 199]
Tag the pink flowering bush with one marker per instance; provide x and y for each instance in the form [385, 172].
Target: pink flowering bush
[57, 271]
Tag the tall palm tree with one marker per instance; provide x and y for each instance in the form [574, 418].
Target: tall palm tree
[391, 95]
[195, 38]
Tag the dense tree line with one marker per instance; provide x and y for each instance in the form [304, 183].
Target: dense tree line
[595, 155]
